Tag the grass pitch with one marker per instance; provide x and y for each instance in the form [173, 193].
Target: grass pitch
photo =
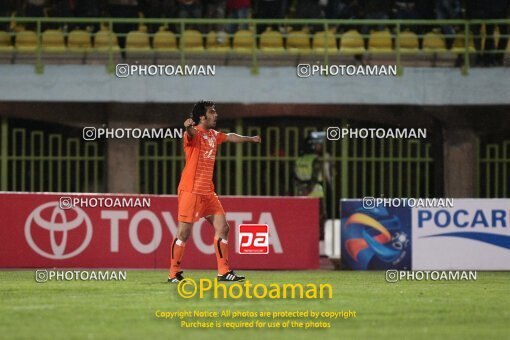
[126, 309]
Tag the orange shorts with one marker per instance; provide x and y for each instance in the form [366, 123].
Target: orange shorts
[192, 207]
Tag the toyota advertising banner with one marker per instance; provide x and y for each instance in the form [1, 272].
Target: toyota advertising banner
[135, 231]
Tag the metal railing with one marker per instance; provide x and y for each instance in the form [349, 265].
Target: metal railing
[40, 161]
[328, 26]
[494, 169]
[360, 167]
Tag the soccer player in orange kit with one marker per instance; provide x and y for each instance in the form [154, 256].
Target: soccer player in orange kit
[197, 198]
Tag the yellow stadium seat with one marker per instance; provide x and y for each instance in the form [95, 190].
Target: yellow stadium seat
[137, 41]
[165, 41]
[324, 40]
[104, 40]
[434, 43]
[298, 42]
[79, 41]
[26, 41]
[380, 42]
[5, 42]
[459, 44]
[53, 41]
[218, 41]
[352, 43]
[271, 42]
[409, 42]
[244, 41]
[191, 41]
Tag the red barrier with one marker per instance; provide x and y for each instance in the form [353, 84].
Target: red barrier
[36, 232]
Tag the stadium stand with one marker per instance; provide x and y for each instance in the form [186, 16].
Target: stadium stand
[459, 45]
[271, 42]
[26, 41]
[137, 41]
[243, 41]
[434, 43]
[5, 42]
[409, 43]
[165, 41]
[352, 43]
[298, 42]
[217, 42]
[105, 41]
[380, 42]
[417, 43]
[53, 42]
[324, 42]
[79, 41]
[191, 41]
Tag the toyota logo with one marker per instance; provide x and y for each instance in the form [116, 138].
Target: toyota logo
[58, 223]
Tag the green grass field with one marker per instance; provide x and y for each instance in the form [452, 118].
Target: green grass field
[126, 309]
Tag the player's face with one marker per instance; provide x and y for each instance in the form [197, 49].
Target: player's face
[211, 116]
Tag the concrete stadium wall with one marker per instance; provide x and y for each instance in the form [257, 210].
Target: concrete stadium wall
[418, 86]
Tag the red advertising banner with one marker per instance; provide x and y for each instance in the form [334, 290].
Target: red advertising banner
[46, 230]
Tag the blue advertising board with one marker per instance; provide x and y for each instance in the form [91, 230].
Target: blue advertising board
[375, 239]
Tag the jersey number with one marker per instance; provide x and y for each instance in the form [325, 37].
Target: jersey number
[209, 154]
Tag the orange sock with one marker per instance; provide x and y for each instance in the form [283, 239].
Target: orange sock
[221, 248]
[176, 254]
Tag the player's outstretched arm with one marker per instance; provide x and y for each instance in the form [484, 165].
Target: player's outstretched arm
[188, 124]
[235, 138]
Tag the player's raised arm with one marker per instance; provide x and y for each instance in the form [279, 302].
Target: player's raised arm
[235, 138]
[188, 124]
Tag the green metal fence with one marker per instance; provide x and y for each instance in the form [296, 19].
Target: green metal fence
[359, 167]
[397, 51]
[39, 160]
[494, 169]
[35, 160]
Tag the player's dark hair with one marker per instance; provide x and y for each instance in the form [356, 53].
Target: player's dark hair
[199, 110]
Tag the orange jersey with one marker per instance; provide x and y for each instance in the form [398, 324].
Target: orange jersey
[200, 155]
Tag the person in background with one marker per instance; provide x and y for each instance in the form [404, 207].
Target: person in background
[33, 9]
[333, 9]
[376, 10]
[158, 9]
[123, 9]
[87, 9]
[310, 9]
[495, 9]
[407, 10]
[189, 9]
[268, 9]
[313, 174]
[343, 9]
[448, 9]
[63, 9]
[5, 11]
[215, 9]
[238, 9]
